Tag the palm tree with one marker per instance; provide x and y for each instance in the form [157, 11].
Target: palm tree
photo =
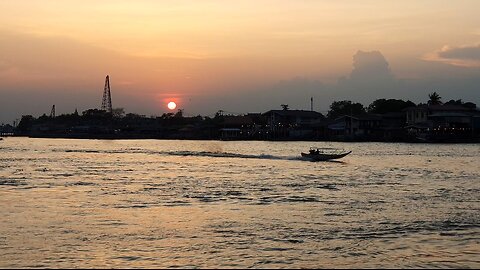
[435, 99]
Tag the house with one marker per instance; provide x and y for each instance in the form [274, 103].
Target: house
[294, 124]
[240, 127]
[442, 123]
[419, 114]
[7, 130]
[393, 126]
[356, 127]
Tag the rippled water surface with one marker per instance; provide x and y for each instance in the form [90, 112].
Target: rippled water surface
[155, 203]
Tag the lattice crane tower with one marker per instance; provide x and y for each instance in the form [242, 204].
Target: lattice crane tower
[52, 112]
[107, 97]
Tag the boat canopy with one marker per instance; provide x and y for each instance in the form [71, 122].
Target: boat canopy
[327, 150]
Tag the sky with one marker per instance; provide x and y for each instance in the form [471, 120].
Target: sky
[236, 56]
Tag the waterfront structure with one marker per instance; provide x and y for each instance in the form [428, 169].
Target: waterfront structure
[442, 123]
[355, 127]
[430, 123]
[294, 124]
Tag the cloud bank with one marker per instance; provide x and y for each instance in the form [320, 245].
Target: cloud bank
[37, 72]
[464, 56]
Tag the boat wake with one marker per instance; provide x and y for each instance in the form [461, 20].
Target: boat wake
[231, 155]
[214, 154]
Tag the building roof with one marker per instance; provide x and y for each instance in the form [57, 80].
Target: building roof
[447, 107]
[361, 117]
[393, 115]
[423, 125]
[449, 114]
[296, 113]
[238, 120]
[337, 126]
[230, 129]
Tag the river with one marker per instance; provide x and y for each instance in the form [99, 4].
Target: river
[237, 204]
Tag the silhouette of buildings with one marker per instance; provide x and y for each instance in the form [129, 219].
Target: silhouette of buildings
[442, 122]
[294, 124]
[422, 123]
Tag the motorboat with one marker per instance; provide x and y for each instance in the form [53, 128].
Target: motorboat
[323, 154]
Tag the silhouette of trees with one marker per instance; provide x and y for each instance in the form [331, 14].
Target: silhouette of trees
[470, 105]
[381, 106]
[219, 113]
[454, 102]
[94, 122]
[96, 114]
[118, 112]
[179, 114]
[345, 107]
[434, 99]
[459, 102]
[25, 124]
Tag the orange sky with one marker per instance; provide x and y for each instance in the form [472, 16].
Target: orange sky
[156, 50]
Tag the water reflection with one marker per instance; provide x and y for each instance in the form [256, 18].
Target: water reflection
[97, 204]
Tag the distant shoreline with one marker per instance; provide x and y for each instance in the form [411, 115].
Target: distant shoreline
[110, 137]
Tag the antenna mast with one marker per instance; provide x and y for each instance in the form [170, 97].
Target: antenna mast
[107, 97]
[52, 113]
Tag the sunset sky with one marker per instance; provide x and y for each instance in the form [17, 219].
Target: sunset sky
[236, 56]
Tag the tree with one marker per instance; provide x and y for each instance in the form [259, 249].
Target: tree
[434, 99]
[284, 107]
[44, 118]
[470, 105]
[118, 112]
[166, 116]
[454, 102]
[25, 124]
[179, 113]
[219, 114]
[459, 102]
[382, 106]
[345, 107]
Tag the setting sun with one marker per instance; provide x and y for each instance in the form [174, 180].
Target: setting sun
[172, 105]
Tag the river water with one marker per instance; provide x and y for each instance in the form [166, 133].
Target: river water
[250, 204]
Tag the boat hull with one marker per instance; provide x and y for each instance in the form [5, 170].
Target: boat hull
[324, 157]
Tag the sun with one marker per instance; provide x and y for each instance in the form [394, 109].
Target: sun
[172, 105]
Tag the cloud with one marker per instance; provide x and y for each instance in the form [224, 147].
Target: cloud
[464, 56]
[467, 53]
[37, 72]
[296, 92]
[370, 76]
[369, 66]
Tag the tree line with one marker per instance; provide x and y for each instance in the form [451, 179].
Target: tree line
[383, 106]
[119, 118]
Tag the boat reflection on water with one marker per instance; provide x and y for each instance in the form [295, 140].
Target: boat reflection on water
[324, 154]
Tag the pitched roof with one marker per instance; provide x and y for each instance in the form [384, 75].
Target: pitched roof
[445, 107]
[296, 113]
[238, 120]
